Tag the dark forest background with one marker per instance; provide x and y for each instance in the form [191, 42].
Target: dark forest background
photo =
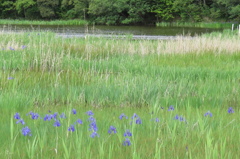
[123, 12]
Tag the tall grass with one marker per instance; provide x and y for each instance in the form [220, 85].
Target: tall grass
[197, 24]
[36, 22]
[43, 73]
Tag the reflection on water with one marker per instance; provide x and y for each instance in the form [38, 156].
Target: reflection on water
[136, 31]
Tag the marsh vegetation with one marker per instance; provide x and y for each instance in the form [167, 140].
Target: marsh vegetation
[199, 77]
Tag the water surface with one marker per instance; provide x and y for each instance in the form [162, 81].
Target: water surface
[148, 32]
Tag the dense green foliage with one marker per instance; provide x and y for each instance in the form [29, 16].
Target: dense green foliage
[123, 11]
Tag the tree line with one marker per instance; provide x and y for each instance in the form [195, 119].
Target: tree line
[117, 12]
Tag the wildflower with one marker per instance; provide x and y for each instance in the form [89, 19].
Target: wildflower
[74, 111]
[134, 116]
[79, 121]
[176, 117]
[89, 113]
[11, 48]
[62, 115]
[170, 108]
[48, 117]
[112, 129]
[91, 119]
[10, 78]
[138, 121]
[230, 110]
[208, 113]
[55, 115]
[94, 134]
[180, 118]
[71, 128]
[20, 121]
[93, 126]
[57, 123]
[17, 116]
[157, 120]
[127, 133]
[122, 116]
[127, 142]
[23, 47]
[26, 131]
[33, 115]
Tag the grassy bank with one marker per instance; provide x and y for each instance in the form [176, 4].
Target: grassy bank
[35, 22]
[219, 25]
[45, 74]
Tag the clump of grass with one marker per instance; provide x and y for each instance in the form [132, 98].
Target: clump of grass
[35, 22]
[196, 24]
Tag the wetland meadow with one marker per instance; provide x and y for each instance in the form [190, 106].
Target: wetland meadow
[99, 98]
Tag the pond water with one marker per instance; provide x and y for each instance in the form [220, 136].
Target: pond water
[148, 32]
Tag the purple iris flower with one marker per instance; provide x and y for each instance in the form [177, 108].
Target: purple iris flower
[94, 134]
[127, 133]
[71, 128]
[26, 131]
[79, 121]
[74, 111]
[112, 129]
[17, 116]
[122, 116]
[135, 116]
[48, 117]
[89, 113]
[208, 113]
[93, 126]
[57, 123]
[171, 108]
[20, 121]
[23, 46]
[138, 121]
[63, 115]
[230, 110]
[126, 142]
[10, 78]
